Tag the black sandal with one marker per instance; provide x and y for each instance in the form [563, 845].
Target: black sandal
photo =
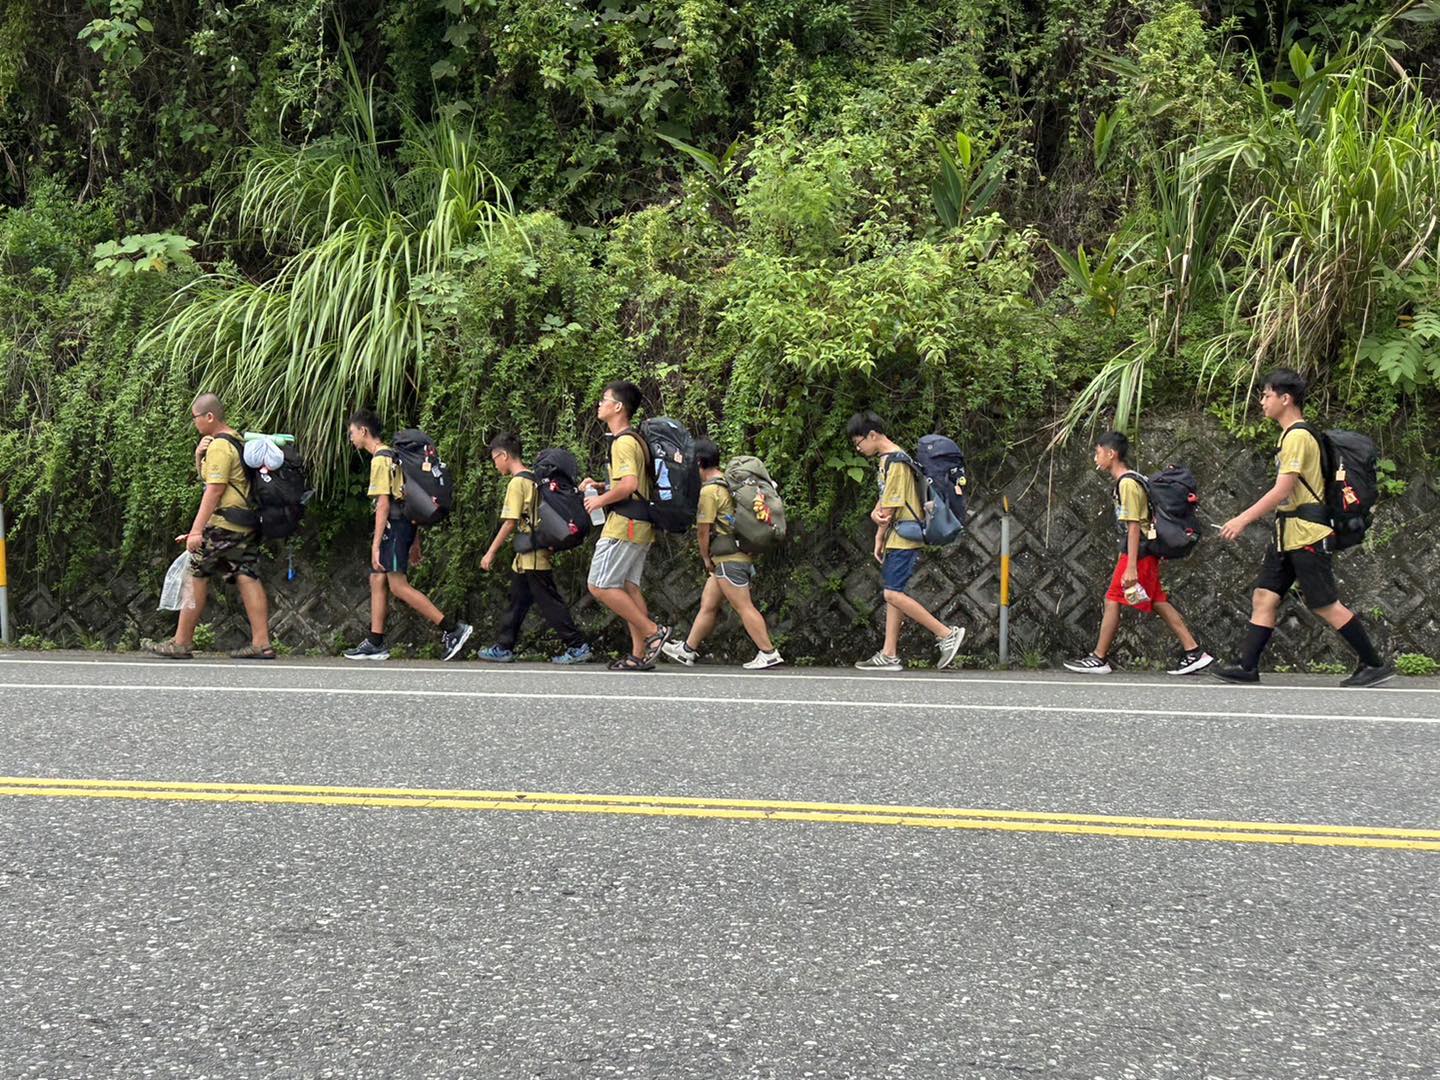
[654, 643]
[631, 662]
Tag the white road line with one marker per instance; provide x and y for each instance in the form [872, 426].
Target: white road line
[1189, 683]
[619, 700]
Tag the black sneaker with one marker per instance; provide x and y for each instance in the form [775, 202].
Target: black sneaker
[1089, 665]
[1236, 674]
[368, 650]
[1365, 675]
[455, 640]
[1191, 661]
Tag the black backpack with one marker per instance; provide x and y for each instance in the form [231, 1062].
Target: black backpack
[429, 492]
[675, 480]
[277, 496]
[562, 522]
[1351, 468]
[1174, 512]
[942, 465]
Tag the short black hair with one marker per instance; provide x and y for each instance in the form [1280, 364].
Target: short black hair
[1285, 381]
[626, 393]
[1117, 441]
[862, 423]
[508, 442]
[368, 419]
[707, 454]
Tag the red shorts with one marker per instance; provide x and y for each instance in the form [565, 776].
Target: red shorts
[1149, 578]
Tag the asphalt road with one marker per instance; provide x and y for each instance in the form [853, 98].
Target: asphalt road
[307, 870]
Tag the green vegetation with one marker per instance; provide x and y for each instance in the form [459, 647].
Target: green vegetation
[472, 213]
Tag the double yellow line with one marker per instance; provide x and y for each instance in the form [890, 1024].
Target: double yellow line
[927, 817]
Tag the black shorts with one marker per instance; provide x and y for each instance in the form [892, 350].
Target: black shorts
[1312, 567]
[395, 544]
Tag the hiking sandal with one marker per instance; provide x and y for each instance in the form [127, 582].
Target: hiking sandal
[654, 643]
[253, 652]
[630, 662]
[170, 650]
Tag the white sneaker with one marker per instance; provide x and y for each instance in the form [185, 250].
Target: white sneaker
[880, 662]
[764, 660]
[1191, 661]
[950, 645]
[680, 652]
[1088, 665]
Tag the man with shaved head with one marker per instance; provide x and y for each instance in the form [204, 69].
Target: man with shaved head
[223, 539]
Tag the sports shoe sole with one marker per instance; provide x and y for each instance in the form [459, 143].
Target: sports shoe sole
[460, 644]
[1106, 670]
[677, 656]
[1194, 666]
[752, 666]
[1370, 686]
[369, 656]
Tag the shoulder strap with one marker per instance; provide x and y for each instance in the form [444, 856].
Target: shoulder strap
[239, 445]
[1324, 464]
[915, 471]
[526, 474]
[1138, 477]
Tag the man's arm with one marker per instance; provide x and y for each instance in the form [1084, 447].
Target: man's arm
[1280, 493]
[507, 527]
[209, 502]
[703, 531]
[619, 491]
[382, 517]
[1132, 555]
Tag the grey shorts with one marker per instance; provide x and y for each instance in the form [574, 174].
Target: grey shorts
[617, 561]
[738, 574]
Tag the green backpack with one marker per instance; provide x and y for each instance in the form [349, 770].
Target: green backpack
[758, 523]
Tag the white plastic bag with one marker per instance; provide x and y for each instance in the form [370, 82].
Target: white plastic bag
[178, 591]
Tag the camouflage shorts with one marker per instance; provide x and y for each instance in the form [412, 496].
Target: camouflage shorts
[227, 553]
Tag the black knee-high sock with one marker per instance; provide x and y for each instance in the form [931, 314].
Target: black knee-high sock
[1355, 636]
[1253, 644]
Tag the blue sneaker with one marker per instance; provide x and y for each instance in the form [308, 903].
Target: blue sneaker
[580, 654]
[496, 655]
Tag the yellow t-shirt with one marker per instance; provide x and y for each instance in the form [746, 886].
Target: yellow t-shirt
[899, 491]
[629, 457]
[717, 508]
[522, 506]
[1132, 504]
[386, 477]
[1299, 453]
[222, 465]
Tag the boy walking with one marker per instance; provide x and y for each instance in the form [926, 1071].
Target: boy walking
[394, 548]
[898, 518]
[532, 581]
[223, 539]
[1299, 549]
[1132, 514]
[624, 544]
[731, 570]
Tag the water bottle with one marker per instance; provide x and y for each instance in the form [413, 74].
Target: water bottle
[597, 516]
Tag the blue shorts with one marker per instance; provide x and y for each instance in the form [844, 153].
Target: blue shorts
[900, 564]
[395, 545]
